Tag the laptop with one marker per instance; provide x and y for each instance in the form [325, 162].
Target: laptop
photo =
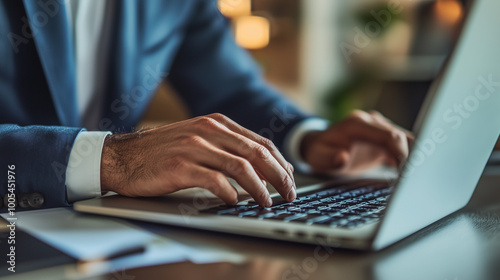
[455, 134]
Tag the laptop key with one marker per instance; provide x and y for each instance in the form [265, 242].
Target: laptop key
[248, 213]
[267, 215]
[227, 211]
[323, 222]
[317, 219]
[336, 215]
[312, 211]
[293, 217]
[279, 217]
[263, 211]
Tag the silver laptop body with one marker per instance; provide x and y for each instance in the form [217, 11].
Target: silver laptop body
[456, 132]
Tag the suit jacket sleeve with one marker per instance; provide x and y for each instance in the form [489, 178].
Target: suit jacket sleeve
[213, 74]
[40, 155]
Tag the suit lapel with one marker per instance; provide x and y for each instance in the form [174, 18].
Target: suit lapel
[56, 51]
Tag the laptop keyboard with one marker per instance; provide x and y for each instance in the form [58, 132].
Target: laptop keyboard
[345, 207]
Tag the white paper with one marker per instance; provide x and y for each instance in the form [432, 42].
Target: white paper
[91, 239]
[83, 237]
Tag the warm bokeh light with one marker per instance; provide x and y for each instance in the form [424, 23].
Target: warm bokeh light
[235, 8]
[252, 32]
[449, 11]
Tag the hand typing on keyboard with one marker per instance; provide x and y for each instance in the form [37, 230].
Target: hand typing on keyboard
[198, 152]
[334, 150]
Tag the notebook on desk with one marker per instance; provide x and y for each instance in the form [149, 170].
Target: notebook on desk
[444, 166]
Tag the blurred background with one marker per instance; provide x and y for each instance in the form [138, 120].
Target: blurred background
[333, 56]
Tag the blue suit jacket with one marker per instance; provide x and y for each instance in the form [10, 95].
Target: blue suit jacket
[186, 41]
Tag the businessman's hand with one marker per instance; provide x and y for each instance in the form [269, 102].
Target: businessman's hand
[360, 141]
[199, 152]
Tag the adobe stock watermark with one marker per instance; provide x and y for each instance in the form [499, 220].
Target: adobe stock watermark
[47, 9]
[201, 200]
[454, 117]
[278, 123]
[363, 36]
[82, 149]
[123, 105]
[282, 118]
[309, 264]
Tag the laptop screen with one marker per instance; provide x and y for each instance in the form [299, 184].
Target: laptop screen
[456, 134]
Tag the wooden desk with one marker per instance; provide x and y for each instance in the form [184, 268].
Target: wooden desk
[465, 245]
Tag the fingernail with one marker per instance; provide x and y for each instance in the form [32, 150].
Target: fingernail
[291, 195]
[269, 202]
[264, 183]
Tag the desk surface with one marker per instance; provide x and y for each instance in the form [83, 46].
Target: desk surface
[465, 245]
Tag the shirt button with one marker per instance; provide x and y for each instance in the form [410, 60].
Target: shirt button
[24, 200]
[36, 200]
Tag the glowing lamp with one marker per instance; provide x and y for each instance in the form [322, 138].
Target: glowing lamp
[252, 32]
[449, 11]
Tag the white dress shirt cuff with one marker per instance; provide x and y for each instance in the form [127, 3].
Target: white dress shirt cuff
[295, 137]
[83, 174]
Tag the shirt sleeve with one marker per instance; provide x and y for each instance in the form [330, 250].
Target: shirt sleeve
[83, 174]
[294, 138]
[40, 157]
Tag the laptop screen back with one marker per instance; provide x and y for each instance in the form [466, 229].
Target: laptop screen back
[456, 135]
